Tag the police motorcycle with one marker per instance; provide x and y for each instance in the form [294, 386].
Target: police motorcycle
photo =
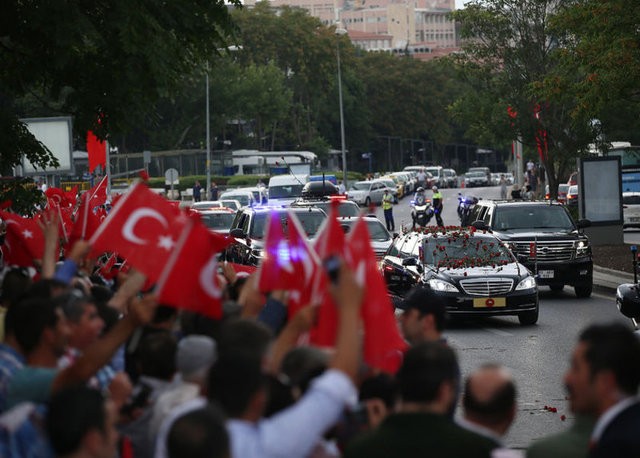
[422, 210]
[628, 294]
[465, 207]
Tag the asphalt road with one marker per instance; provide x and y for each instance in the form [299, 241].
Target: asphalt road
[538, 355]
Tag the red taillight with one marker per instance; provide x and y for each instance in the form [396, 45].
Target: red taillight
[388, 268]
[338, 197]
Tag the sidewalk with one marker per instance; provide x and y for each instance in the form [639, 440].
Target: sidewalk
[610, 279]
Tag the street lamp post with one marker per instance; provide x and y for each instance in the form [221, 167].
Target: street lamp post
[208, 162]
[341, 31]
[208, 166]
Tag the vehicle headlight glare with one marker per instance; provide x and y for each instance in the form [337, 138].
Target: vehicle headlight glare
[442, 286]
[526, 283]
[582, 248]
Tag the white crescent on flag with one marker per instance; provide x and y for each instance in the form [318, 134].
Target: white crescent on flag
[129, 226]
[206, 277]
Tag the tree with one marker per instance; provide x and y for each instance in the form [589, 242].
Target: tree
[108, 59]
[511, 59]
[600, 45]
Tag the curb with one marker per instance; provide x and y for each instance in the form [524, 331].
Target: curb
[610, 279]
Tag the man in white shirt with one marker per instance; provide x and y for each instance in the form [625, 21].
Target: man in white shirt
[603, 382]
[238, 383]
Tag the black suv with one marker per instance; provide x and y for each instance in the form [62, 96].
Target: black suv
[249, 229]
[345, 207]
[545, 239]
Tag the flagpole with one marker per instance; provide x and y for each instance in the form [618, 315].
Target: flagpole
[107, 168]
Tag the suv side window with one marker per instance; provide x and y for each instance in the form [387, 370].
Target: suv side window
[487, 215]
[394, 249]
[407, 248]
[476, 212]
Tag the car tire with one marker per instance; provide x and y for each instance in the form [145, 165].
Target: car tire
[556, 288]
[528, 318]
[367, 202]
[584, 291]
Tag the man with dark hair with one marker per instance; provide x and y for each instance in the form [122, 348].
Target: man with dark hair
[421, 426]
[42, 335]
[424, 316]
[602, 382]
[489, 403]
[199, 434]
[80, 422]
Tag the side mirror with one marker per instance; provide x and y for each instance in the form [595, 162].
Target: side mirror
[237, 233]
[582, 223]
[411, 261]
[480, 225]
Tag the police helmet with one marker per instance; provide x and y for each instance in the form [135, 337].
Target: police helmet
[420, 189]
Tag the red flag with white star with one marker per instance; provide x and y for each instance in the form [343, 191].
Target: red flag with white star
[24, 241]
[98, 194]
[383, 346]
[143, 228]
[190, 277]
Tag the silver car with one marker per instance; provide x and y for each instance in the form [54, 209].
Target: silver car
[380, 238]
[365, 193]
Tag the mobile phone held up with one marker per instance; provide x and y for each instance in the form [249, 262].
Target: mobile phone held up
[332, 266]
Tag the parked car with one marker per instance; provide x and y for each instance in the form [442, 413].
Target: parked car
[474, 272]
[475, 179]
[218, 219]
[230, 203]
[369, 192]
[438, 176]
[380, 237]
[631, 209]
[260, 195]
[572, 195]
[451, 178]
[509, 177]
[249, 229]
[545, 238]
[400, 189]
[562, 193]
[245, 198]
[205, 205]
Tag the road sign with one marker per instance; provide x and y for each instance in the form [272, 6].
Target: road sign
[171, 177]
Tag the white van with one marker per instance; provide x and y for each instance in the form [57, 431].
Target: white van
[284, 189]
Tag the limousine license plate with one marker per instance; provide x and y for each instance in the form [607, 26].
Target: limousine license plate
[545, 273]
[489, 302]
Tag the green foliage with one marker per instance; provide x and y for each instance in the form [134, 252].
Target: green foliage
[107, 60]
[25, 197]
[246, 180]
[512, 60]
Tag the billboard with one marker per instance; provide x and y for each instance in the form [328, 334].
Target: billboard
[600, 190]
[55, 134]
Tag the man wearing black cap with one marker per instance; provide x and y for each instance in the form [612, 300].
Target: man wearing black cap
[424, 316]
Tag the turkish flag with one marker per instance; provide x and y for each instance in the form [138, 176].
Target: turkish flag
[276, 269]
[24, 239]
[310, 280]
[190, 277]
[330, 242]
[98, 194]
[106, 270]
[87, 220]
[143, 228]
[383, 345]
[97, 151]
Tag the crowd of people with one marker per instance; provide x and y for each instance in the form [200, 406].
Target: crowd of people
[91, 366]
